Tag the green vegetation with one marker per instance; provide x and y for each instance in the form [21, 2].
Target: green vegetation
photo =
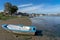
[11, 9]
[5, 18]
[9, 12]
[2, 17]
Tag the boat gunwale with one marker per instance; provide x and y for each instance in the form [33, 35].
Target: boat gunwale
[19, 30]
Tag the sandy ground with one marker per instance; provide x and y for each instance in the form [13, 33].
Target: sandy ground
[4, 35]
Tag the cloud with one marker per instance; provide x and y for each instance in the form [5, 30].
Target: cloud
[30, 8]
[25, 5]
[42, 8]
[51, 9]
[1, 10]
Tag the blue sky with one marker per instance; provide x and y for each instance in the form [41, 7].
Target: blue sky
[34, 6]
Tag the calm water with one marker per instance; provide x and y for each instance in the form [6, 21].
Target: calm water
[49, 24]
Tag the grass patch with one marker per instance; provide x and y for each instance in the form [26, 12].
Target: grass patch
[6, 17]
[2, 17]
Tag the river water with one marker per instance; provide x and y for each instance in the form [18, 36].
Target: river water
[50, 25]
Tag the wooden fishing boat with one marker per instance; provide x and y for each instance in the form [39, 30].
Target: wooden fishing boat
[20, 29]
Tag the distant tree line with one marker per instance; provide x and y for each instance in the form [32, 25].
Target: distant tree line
[23, 14]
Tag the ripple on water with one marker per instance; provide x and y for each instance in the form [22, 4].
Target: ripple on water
[48, 24]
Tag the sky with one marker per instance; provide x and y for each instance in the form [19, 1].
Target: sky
[34, 6]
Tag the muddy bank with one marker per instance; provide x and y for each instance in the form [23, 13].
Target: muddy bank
[4, 35]
[24, 21]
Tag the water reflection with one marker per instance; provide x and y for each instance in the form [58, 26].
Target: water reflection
[49, 25]
[39, 33]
